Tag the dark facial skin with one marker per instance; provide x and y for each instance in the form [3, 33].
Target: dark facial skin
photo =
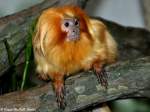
[72, 27]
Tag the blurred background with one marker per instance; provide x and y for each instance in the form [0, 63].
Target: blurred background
[124, 12]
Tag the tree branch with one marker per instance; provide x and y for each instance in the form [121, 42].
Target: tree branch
[126, 79]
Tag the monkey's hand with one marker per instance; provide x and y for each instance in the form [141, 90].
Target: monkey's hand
[101, 74]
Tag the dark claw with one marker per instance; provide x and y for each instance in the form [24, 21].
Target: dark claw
[102, 77]
[60, 97]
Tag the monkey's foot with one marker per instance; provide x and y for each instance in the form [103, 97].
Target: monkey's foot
[60, 92]
[101, 76]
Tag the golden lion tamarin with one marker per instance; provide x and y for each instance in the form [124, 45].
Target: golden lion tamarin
[66, 41]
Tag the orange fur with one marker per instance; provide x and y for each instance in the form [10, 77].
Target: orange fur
[53, 55]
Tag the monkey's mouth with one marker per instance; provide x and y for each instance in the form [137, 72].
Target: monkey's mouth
[73, 36]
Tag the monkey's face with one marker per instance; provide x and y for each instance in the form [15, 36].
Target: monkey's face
[71, 27]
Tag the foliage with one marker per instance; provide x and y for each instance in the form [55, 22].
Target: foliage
[15, 82]
[28, 55]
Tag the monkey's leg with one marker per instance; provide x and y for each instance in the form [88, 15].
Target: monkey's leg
[101, 74]
[59, 91]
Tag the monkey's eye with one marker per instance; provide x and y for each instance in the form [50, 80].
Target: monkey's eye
[66, 24]
[76, 22]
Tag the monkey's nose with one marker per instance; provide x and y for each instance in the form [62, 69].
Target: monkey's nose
[74, 32]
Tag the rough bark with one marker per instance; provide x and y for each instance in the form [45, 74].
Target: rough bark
[126, 79]
[15, 28]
